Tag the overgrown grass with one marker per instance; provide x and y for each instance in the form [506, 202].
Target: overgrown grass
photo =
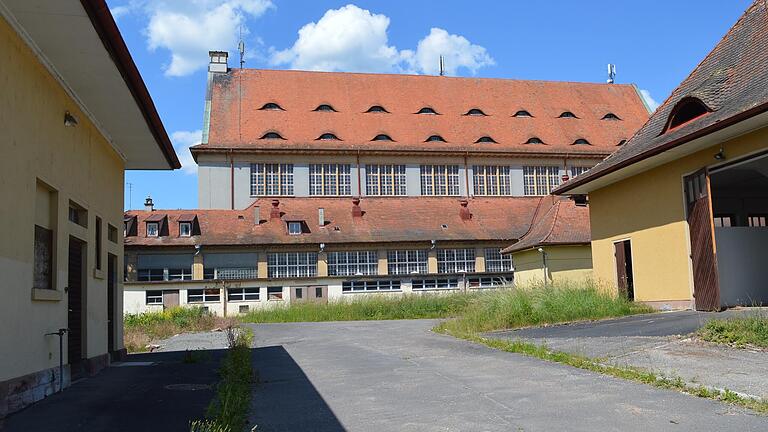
[537, 305]
[742, 332]
[142, 329]
[368, 307]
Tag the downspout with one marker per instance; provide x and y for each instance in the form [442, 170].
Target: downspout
[359, 181]
[466, 173]
[232, 180]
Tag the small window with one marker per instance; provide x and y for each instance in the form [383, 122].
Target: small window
[271, 106]
[325, 108]
[153, 229]
[328, 137]
[581, 141]
[43, 258]
[688, 109]
[567, 114]
[622, 142]
[185, 229]
[274, 293]
[485, 139]
[522, 113]
[154, 297]
[382, 137]
[377, 109]
[111, 233]
[757, 220]
[427, 110]
[299, 293]
[611, 116]
[318, 292]
[294, 228]
[432, 138]
[534, 140]
[723, 220]
[476, 112]
[78, 215]
[272, 135]
[243, 309]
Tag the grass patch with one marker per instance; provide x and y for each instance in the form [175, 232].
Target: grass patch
[742, 332]
[142, 329]
[538, 305]
[368, 307]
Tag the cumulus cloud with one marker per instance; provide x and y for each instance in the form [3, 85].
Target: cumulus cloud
[188, 29]
[354, 39]
[182, 140]
[652, 104]
[119, 11]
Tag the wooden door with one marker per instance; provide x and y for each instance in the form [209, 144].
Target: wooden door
[624, 279]
[170, 298]
[75, 303]
[706, 287]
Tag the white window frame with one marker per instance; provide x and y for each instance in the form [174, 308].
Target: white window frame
[155, 232]
[274, 293]
[495, 262]
[385, 180]
[152, 298]
[378, 285]
[352, 263]
[206, 295]
[151, 275]
[271, 179]
[439, 180]
[294, 228]
[540, 179]
[492, 180]
[578, 170]
[435, 284]
[185, 229]
[243, 294]
[291, 264]
[235, 273]
[401, 262]
[183, 273]
[330, 179]
[456, 260]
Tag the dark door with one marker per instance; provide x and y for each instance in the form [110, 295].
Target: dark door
[298, 294]
[170, 298]
[111, 287]
[706, 288]
[318, 293]
[623, 252]
[75, 305]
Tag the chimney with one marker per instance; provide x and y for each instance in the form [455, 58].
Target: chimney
[357, 212]
[464, 212]
[274, 212]
[321, 216]
[218, 62]
[256, 215]
[148, 204]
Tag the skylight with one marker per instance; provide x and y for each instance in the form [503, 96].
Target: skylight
[271, 106]
[271, 135]
[328, 137]
[522, 113]
[325, 107]
[485, 139]
[475, 112]
[435, 138]
[382, 137]
[427, 110]
[377, 109]
[610, 116]
[581, 141]
[534, 140]
[567, 114]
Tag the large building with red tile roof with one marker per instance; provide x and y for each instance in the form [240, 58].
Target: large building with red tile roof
[342, 183]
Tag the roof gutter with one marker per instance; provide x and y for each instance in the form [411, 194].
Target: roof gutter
[105, 27]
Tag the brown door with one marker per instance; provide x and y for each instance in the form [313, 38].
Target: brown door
[170, 298]
[318, 293]
[111, 287]
[623, 253]
[298, 294]
[75, 304]
[706, 289]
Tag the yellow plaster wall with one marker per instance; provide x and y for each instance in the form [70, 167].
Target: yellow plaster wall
[79, 165]
[649, 210]
[564, 263]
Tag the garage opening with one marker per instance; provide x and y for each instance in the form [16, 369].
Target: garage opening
[740, 218]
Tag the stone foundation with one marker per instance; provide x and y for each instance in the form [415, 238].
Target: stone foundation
[20, 392]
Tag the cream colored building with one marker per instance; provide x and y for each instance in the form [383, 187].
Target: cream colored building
[74, 114]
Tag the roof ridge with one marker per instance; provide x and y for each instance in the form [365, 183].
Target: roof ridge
[554, 221]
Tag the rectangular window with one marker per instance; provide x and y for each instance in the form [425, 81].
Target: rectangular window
[292, 264]
[439, 179]
[496, 262]
[185, 229]
[540, 180]
[203, 295]
[275, 293]
[370, 285]
[111, 233]
[152, 229]
[351, 263]
[78, 215]
[385, 180]
[492, 180]
[723, 220]
[43, 258]
[578, 170]
[180, 274]
[151, 275]
[271, 179]
[209, 273]
[294, 228]
[757, 220]
[424, 284]
[154, 297]
[402, 262]
[330, 179]
[234, 273]
[489, 281]
[97, 243]
[455, 260]
[243, 294]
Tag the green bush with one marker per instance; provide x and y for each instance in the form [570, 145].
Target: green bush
[229, 408]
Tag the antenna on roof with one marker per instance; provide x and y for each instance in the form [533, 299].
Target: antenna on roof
[442, 66]
[611, 73]
[241, 48]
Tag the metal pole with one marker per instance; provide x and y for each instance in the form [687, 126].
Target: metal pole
[60, 333]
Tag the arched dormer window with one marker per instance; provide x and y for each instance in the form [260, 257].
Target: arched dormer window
[377, 109]
[522, 113]
[328, 137]
[475, 112]
[610, 116]
[581, 141]
[271, 106]
[534, 140]
[325, 108]
[567, 114]
[382, 137]
[485, 139]
[622, 142]
[686, 110]
[271, 135]
[427, 110]
[433, 138]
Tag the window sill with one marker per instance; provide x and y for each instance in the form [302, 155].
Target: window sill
[98, 273]
[46, 294]
[372, 292]
[434, 289]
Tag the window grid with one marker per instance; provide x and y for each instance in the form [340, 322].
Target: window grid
[234, 273]
[330, 179]
[291, 264]
[496, 262]
[439, 179]
[271, 179]
[423, 284]
[385, 180]
[180, 274]
[540, 180]
[203, 295]
[154, 297]
[455, 260]
[489, 281]
[370, 285]
[406, 261]
[243, 294]
[351, 263]
[151, 275]
[578, 170]
[492, 180]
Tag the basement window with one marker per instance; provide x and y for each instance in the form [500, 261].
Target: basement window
[427, 110]
[688, 109]
[271, 135]
[433, 138]
[328, 137]
[522, 113]
[475, 112]
[325, 108]
[567, 114]
[271, 106]
[485, 139]
[382, 137]
[377, 109]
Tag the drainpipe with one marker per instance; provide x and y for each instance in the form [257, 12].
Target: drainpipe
[359, 181]
[466, 173]
[544, 264]
[60, 333]
[232, 180]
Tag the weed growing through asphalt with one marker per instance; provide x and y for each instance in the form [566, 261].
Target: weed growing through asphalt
[740, 332]
[144, 328]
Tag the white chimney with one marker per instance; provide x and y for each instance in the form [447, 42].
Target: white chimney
[321, 216]
[218, 62]
[148, 204]
[256, 215]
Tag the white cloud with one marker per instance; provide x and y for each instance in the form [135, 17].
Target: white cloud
[119, 11]
[190, 28]
[354, 39]
[182, 140]
[652, 104]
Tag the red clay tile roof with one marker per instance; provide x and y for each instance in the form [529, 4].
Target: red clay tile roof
[298, 93]
[383, 220]
[732, 81]
[558, 222]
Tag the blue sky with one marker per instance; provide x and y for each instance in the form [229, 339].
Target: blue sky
[655, 44]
